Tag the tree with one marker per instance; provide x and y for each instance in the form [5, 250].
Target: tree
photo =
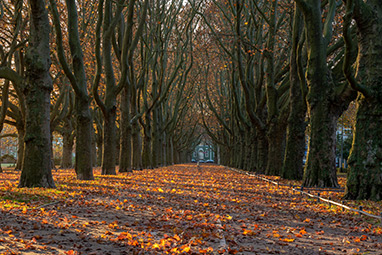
[295, 141]
[365, 161]
[326, 98]
[107, 19]
[3, 109]
[77, 78]
[36, 170]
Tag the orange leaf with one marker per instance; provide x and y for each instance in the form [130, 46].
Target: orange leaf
[288, 240]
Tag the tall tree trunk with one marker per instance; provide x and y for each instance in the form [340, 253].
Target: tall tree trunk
[109, 142]
[295, 141]
[37, 169]
[320, 169]
[365, 160]
[125, 148]
[84, 121]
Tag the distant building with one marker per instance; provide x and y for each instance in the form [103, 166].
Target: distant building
[203, 153]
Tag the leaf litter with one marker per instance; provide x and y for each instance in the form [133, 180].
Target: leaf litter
[181, 209]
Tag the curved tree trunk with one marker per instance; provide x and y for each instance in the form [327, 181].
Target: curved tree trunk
[37, 169]
[320, 169]
[365, 160]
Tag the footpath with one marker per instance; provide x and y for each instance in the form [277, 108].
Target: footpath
[181, 209]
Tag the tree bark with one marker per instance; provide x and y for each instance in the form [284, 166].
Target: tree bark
[365, 160]
[67, 150]
[147, 150]
[137, 147]
[320, 169]
[295, 141]
[262, 152]
[20, 149]
[36, 169]
[125, 148]
[83, 160]
[276, 147]
[109, 142]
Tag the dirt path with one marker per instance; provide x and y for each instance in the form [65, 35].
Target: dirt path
[172, 210]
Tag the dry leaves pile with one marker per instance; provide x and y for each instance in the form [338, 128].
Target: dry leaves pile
[179, 209]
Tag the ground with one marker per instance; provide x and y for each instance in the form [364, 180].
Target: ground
[181, 209]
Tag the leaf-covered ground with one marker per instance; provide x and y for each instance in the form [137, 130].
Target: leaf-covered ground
[179, 209]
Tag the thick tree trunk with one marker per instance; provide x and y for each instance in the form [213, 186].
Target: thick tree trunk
[20, 148]
[36, 169]
[295, 145]
[365, 160]
[67, 152]
[320, 169]
[295, 141]
[83, 160]
[276, 148]
[125, 147]
[67, 149]
[109, 142]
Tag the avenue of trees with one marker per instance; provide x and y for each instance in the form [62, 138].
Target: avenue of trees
[137, 84]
